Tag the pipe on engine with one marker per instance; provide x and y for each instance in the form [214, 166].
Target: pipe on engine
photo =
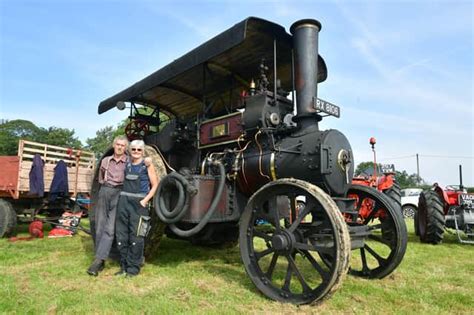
[305, 44]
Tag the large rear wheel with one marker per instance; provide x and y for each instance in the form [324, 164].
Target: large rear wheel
[385, 247]
[281, 246]
[430, 217]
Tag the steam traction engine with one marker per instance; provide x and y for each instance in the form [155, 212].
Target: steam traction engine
[242, 165]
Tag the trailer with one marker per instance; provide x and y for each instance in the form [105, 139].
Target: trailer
[18, 204]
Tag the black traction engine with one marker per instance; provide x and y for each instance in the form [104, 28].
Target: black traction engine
[246, 161]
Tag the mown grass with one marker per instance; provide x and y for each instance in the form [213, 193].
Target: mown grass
[48, 276]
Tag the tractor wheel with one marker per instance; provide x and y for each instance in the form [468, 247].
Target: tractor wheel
[385, 247]
[282, 257]
[431, 219]
[153, 239]
[8, 220]
[12, 224]
[409, 211]
[395, 196]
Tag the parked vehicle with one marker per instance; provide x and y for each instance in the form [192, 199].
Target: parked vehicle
[451, 207]
[239, 161]
[17, 204]
[409, 201]
[380, 177]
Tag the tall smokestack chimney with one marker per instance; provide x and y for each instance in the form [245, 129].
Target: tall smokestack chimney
[305, 46]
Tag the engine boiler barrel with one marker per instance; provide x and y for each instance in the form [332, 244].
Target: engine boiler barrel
[323, 158]
[305, 45]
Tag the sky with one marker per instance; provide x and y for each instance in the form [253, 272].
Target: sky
[401, 71]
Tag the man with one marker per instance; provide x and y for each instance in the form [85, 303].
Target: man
[111, 176]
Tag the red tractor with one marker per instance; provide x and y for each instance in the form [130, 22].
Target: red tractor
[384, 183]
[439, 208]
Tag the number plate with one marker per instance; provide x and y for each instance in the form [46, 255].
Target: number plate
[327, 108]
[466, 199]
[388, 168]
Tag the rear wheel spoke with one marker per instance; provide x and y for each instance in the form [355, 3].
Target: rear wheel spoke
[380, 240]
[276, 219]
[324, 274]
[300, 277]
[380, 260]
[286, 285]
[261, 234]
[272, 265]
[260, 255]
[298, 220]
[375, 227]
[365, 267]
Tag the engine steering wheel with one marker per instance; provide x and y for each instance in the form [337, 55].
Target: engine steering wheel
[137, 129]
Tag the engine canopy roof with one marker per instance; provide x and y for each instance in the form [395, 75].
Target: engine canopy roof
[215, 72]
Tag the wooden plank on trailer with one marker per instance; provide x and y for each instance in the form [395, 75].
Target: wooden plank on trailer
[55, 160]
[82, 154]
[80, 173]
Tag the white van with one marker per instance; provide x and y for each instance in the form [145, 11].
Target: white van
[410, 201]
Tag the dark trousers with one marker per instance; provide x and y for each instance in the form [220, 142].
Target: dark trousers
[105, 214]
[129, 244]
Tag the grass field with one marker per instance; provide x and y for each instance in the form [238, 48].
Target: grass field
[48, 276]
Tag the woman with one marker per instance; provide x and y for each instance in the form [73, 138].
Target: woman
[133, 219]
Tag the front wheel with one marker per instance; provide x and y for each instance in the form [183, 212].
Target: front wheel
[409, 211]
[281, 244]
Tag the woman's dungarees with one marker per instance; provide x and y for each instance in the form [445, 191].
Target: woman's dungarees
[129, 211]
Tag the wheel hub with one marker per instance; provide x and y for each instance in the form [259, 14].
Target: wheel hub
[283, 242]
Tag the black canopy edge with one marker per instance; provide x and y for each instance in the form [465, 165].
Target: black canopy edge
[213, 47]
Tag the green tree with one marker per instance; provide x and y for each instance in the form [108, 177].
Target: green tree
[365, 168]
[14, 130]
[104, 137]
[405, 180]
[102, 141]
[62, 137]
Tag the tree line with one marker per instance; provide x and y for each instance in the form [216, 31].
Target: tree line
[14, 130]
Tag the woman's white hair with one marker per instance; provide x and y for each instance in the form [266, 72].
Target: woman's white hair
[138, 143]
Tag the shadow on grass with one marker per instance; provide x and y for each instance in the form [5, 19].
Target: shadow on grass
[221, 262]
[172, 251]
[450, 238]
